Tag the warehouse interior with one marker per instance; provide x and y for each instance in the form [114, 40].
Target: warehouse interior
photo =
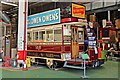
[82, 41]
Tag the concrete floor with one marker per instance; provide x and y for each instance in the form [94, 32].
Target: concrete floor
[108, 70]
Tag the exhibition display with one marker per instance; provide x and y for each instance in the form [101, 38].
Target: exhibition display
[60, 39]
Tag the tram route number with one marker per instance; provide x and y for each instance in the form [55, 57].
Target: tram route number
[38, 47]
[48, 55]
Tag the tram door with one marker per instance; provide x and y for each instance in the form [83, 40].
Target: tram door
[74, 42]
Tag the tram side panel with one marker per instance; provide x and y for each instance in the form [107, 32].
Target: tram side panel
[53, 52]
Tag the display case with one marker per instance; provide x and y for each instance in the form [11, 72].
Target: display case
[105, 33]
[108, 37]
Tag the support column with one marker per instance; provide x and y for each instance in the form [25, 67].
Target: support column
[109, 16]
[22, 30]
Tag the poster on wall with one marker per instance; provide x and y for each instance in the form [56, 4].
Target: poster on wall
[78, 11]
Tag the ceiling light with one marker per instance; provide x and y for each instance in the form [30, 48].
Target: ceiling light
[8, 3]
[5, 11]
[118, 9]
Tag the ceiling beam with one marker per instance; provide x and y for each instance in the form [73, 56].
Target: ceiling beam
[11, 4]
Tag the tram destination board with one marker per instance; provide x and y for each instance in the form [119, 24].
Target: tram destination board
[47, 55]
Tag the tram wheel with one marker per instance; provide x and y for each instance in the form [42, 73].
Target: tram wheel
[53, 66]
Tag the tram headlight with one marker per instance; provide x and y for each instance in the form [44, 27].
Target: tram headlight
[66, 56]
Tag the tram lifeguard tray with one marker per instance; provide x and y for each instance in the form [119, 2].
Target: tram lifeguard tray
[84, 56]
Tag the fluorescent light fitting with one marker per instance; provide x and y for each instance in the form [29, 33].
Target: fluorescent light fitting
[118, 9]
[5, 11]
[8, 3]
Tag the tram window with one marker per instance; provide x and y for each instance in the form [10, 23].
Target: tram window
[49, 36]
[42, 35]
[75, 34]
[36, 35]
[29, 37]
[67, 38]
[80, 35]
[57, 35]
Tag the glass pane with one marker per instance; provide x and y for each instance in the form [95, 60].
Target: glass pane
[42, 35]
[49, 35]
[67, 38]
[36, 35]
[80, 35]
[75, 34]
[58, 35]
[29, 37]
[33, 36]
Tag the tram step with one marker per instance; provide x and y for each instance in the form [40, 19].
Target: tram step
[77, 60]
[72, 66]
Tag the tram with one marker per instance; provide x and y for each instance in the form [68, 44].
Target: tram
[58, 44]
[59, 41]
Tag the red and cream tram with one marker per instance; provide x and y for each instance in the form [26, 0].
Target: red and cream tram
[58, 44]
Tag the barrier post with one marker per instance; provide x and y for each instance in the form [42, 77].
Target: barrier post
[84, 57]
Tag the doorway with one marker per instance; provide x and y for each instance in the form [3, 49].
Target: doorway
[74, 42]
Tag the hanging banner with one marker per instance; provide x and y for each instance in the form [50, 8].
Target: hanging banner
[78, 11]
[44, 18]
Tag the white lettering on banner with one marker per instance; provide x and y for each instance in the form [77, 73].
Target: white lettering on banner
[47, 18]
[56, 16]
[50, 16]
[43, 19]
[34, 20]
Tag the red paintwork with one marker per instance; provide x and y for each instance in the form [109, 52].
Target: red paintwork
[69, 20]
[51, 48]
[77, 62]
[57, 49]
[25, 26]
[92, 55]
[107, 29]
[1, 20]
[77, 10]
[100, 41]
[21, 55]
[99, 53]
[111, 31]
